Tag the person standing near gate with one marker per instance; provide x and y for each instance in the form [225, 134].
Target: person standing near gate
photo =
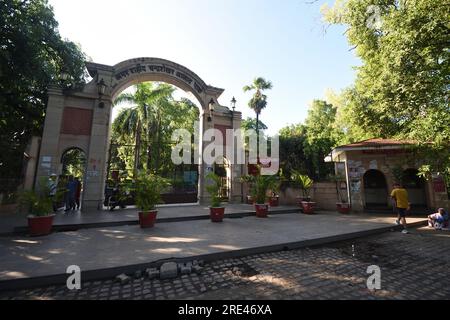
[71, 191]
[53, 186]
[400, 196]
[78, 192]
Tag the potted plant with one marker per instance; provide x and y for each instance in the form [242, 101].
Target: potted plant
[39, 205]
[305, 184]
[216, 211]
[342, 206]
[274, 199]
[249, 179]
[148, 194]
[259, 186]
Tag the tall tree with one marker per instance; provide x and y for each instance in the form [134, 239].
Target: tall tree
[321, 135]
[250, 124]
[142, 121]
[258, 102]
[401, 89]
[32, 56]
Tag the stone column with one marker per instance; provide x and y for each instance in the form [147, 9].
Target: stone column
[97, 156]
[49, 161]
[236, 192]
[203, 196]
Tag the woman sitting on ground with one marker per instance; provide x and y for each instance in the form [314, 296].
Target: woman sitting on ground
[439, 219]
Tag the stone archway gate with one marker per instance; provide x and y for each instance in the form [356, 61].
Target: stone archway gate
[82, 119]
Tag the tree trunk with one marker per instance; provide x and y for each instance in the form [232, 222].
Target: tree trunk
[136, 150]
[149, 155]
[158, 140]
[257, 137]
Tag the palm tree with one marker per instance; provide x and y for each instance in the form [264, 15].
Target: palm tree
[143, 120]
[258, 102]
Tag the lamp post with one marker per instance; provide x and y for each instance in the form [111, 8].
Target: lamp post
[233, 107]
[101, 88]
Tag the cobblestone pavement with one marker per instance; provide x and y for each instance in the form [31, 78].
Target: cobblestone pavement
[413, 266]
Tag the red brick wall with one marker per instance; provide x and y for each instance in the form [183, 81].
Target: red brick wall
[77, 121]
[222, 129]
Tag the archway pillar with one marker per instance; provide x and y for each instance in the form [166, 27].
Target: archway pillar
[204, 168]
[49, 158]
[237, 169]
[97, 155]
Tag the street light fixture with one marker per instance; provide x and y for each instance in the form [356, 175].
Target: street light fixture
[233, 103]
[64, 75]
[211, 109]
[101, 88]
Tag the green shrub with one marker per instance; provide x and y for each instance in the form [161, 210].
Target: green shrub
[148, 190]
[259, 185]
[213, 188]
[37, 202]
[304, 182]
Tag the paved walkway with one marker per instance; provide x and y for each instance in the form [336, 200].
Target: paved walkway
[10, 222]
[413, 266]
[91, 249]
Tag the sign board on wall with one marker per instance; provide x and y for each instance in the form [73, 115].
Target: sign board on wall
[438, 184]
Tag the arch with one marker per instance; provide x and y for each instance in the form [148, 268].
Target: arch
[66, 150]
[375, 189]
[132, 71]
[97, 99]
[415, 186]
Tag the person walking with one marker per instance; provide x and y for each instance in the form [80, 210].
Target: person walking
[400, 196]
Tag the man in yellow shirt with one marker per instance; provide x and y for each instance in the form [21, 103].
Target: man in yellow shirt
[400, 195]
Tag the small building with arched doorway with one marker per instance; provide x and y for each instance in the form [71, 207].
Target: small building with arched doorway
[371, 167]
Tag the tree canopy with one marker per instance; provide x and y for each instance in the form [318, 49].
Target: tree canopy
[402, 87]
[32, 56]
[142, 133]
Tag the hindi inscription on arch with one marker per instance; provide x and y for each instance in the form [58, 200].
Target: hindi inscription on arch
[123, 74]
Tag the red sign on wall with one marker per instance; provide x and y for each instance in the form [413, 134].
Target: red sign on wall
[77, 121]
[439, 184]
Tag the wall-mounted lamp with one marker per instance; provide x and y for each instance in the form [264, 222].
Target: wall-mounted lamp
[211, 109]
[64, 76]
[233, 103]
[101, 87]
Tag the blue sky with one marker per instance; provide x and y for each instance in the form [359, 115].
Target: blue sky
[226, 42]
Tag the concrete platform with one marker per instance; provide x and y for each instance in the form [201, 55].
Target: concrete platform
[71, 221]
[106, 252]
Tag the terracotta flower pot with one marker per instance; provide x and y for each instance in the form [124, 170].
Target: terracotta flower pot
[261, 210]
[274, 201]
[343, 207]
[147, 219]
[40, 226]
[216, 214]
[308, 207]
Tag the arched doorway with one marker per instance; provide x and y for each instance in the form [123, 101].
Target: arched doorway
[73, 166]
[375, 189]
[415, 186]
[145, 117]
[223, 170]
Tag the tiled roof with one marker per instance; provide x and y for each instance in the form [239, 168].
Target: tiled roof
[378, 142]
